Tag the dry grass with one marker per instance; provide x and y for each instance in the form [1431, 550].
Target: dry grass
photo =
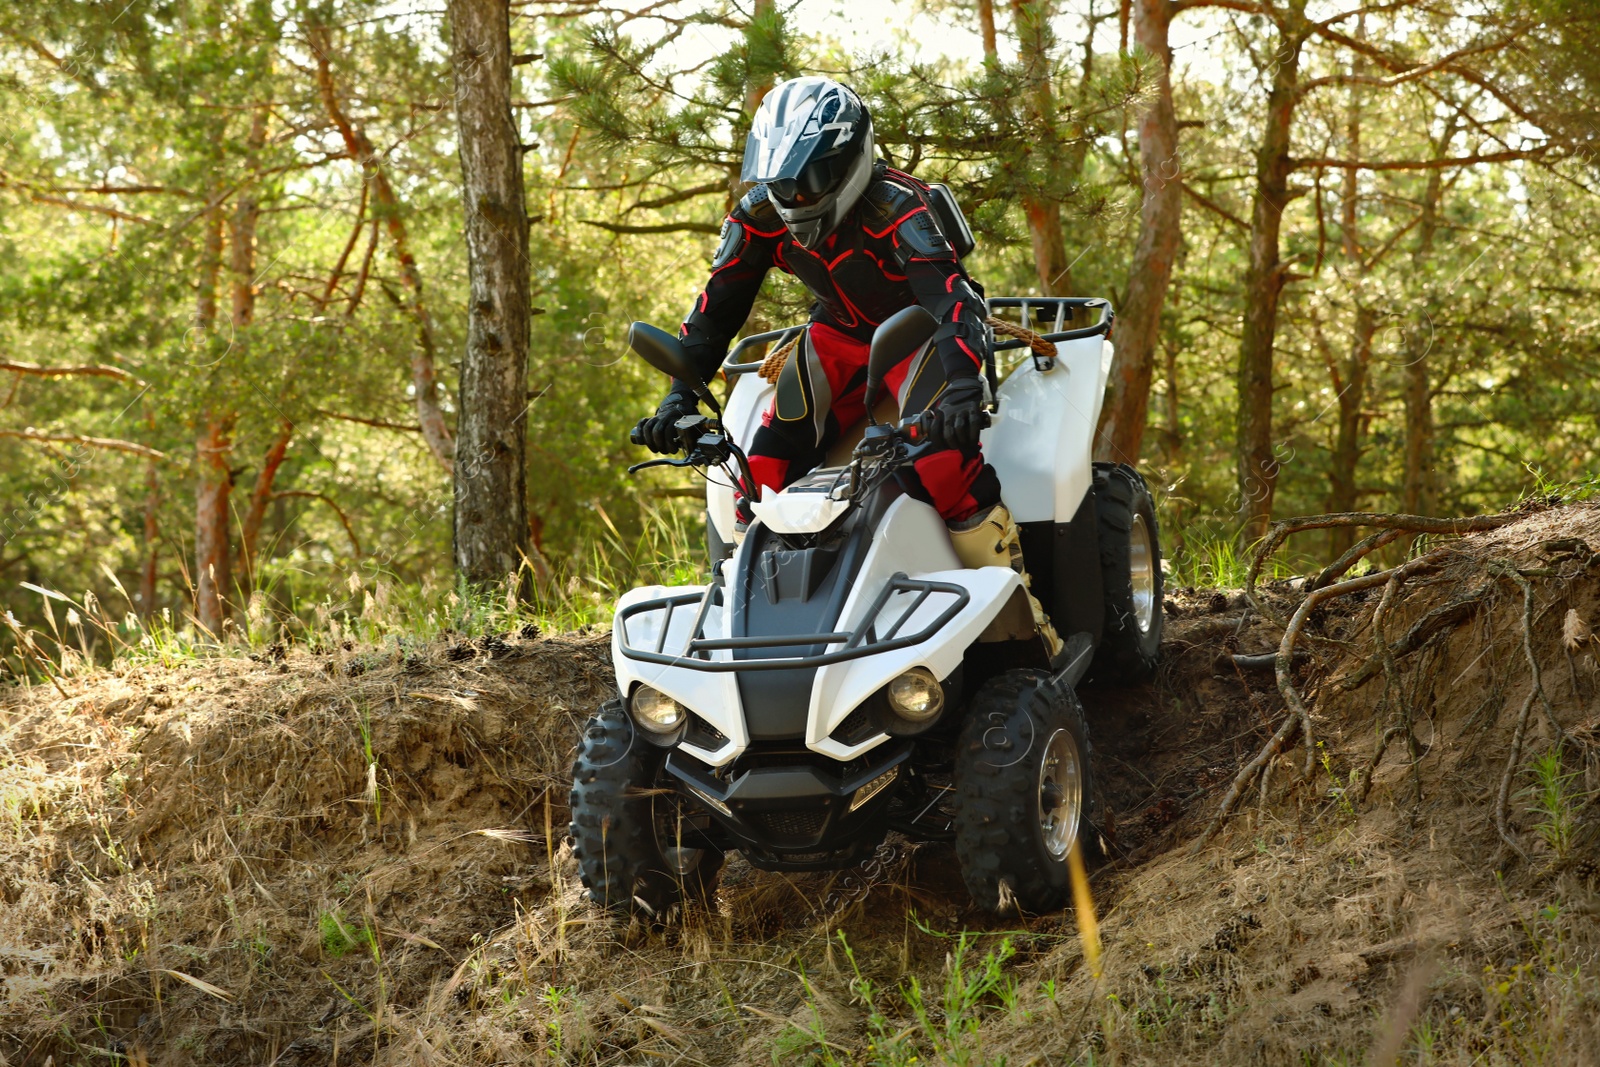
[358, 858]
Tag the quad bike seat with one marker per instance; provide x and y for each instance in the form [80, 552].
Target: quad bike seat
[887, 409]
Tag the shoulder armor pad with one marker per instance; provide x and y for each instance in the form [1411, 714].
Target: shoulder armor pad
[730, 244]
[889, 199]
[758, 213]
[921, 235]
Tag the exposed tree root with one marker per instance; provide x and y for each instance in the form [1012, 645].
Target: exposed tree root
[1352, 555]
[1283, 529]
[1299, 716]
[1372, 765]
[1502, 819]
[1391, 684]
[1445, 617]
[1323, 588]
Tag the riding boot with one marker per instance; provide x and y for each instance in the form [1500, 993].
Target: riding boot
[990, 539]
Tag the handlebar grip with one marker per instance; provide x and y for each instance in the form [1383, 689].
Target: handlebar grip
[634, 436]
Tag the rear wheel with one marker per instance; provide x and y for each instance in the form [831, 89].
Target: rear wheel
[636, 848]
[1023, 791]
[1130, 575]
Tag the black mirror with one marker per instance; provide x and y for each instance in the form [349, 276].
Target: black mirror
[665, 353]
[896, 338]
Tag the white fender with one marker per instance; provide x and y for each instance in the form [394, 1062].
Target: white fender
[711, 695]
[911, 539]
[1042, 439]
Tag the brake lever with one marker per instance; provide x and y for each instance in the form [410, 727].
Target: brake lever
[663, 462]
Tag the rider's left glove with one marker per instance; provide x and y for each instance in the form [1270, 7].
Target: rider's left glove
[656, 431]
[959, 413]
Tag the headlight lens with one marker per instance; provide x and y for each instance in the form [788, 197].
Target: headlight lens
[916, 695]
[655, 711]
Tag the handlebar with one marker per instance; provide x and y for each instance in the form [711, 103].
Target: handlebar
[702, 442]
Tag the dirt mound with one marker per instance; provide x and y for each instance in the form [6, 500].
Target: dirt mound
[201, 861]
[360, 858]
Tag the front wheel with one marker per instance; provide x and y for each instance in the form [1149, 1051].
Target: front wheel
[1023, 791]
[637, 849]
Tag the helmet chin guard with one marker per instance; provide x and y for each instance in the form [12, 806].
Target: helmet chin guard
[811, 144]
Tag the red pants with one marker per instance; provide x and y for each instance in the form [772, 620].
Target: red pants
[821, 394]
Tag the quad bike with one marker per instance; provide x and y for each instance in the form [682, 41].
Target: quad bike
[841, 675]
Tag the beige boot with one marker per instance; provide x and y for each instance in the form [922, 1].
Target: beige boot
[990, 539]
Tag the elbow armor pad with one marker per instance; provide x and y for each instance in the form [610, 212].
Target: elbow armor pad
[973, 306]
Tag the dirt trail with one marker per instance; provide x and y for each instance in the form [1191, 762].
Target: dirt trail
[357, 857]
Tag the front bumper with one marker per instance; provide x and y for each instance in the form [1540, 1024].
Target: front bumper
[791, 810]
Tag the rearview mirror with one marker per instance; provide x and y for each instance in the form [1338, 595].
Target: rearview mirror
[896, 338]
[665, 353]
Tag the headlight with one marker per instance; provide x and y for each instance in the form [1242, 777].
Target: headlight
[655, 711]
[916, 695]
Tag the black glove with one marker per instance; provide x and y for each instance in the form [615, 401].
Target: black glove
[656, 431]
[959, 415]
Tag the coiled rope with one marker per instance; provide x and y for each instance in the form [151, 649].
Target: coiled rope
[772, 366]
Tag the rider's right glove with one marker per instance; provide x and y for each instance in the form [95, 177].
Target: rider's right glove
[960, 415]
[656, 431]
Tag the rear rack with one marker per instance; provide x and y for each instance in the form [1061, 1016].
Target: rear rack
[858, 643]
[1055, 308]
[1034, 311]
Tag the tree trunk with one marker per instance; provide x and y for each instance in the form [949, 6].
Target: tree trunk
[1043, 213]
[256, 510]
[491, 521]
[152, 533]
[211, 559]
[1122, 423]
[760, 65]
[424, 373]
[1347, 447]
[1418, 494]
[1352, 383]
[205, 304]
[1257, 466]
[214, 446]
[991, 47]
[1418, 489]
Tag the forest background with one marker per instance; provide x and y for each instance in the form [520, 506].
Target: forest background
[1350, 244]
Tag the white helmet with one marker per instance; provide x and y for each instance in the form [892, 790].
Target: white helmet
[811, 145]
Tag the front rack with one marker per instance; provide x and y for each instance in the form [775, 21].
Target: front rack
[857, 643]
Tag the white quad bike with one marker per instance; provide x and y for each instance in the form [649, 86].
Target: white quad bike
[842, 675]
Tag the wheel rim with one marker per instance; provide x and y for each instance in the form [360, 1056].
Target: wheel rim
[1142, 574]
[679, 861]
[1060, 793]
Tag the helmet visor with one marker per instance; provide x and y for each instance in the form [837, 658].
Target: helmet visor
[816, 181]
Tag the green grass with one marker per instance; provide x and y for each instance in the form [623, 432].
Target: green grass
[374, 607]
[338, 936]
[1553, 800]
[1218, 563]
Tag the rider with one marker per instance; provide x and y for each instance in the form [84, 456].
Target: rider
[865, 241]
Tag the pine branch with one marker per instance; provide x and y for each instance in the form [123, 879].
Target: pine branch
[1423, 164]
[94, 370]
[114, 444]
[665, 227]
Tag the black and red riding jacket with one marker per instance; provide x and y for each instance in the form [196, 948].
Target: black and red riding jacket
[888, 254]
